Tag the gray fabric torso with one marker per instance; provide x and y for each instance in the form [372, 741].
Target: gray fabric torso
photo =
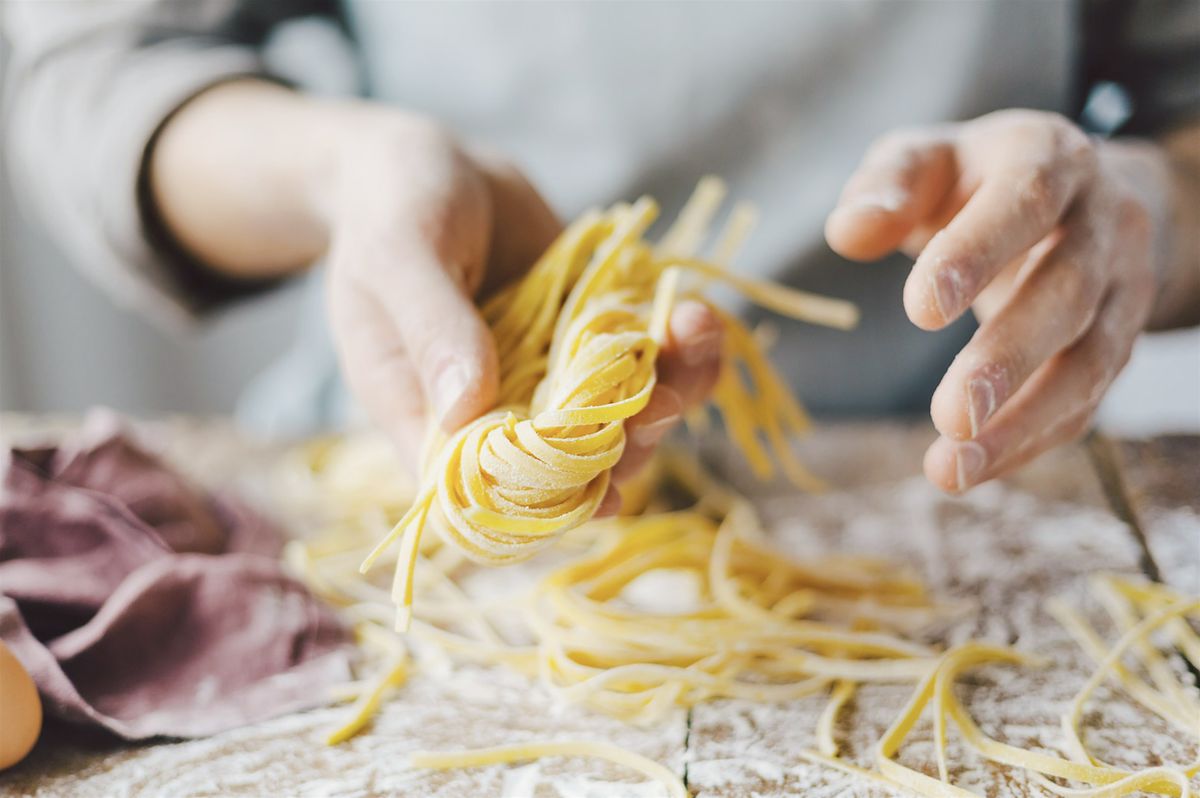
[602, 101]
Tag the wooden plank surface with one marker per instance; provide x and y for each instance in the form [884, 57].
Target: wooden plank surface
[1001, 552]
[1160, 479]
[467, 707]
[471, 707]
[1004, 550]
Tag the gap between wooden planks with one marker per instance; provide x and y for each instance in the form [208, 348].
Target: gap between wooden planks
[1154, 485]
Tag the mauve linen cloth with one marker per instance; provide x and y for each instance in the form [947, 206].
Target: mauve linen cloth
[147, 607]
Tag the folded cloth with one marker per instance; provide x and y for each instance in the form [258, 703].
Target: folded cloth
[147, 607]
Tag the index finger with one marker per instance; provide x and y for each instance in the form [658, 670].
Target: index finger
[901, 180]
[1031, 175]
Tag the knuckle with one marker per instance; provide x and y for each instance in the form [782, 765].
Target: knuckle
[508, 171]
[1051, 119]
[1004, 118]
[1087, 308]
[1040, 191]
[1079, 289]
[498, 164]
[398, 139]
[1062, 132]
[1071, 145]
[1077, 321]
[1078, 149]
[1073, 279]
[694, 322]
[1060, 126]
[898, 145]
[1133, 218]
[1097, 371]
[428, 131]
[1020, 120]
[1048, 130]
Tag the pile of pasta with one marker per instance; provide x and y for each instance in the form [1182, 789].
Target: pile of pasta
[754, 625]
[578, 337]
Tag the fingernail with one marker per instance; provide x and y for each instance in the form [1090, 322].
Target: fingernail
[702, 348]
[888, 200]
[650, 434]
[449, 387]
[947, 291]
[970, 459]
[981, 402]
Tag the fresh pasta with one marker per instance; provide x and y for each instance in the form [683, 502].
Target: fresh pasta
[507, 754]
[755, 625]
[577, 340]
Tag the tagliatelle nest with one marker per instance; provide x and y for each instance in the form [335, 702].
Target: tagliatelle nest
[578, 337]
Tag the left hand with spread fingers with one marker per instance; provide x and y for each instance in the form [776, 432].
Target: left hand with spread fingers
[1061, 244]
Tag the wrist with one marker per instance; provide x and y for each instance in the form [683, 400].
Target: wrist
[229, 176]
[1180, 300]
[362, 155]
[1144, 171]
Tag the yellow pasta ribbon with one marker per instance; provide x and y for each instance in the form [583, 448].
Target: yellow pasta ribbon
[577, 339]
[760, 627]
[540, 749]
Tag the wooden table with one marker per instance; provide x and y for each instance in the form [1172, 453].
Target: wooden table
[1131, 507]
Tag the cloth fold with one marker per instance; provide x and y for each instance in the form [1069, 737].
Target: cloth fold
[145, 606]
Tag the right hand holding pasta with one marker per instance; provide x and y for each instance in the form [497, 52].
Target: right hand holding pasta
[421, 228]
[416, 227]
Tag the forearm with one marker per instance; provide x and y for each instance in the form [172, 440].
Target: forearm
[1179, 299]
[237, 177]
[1166, 175]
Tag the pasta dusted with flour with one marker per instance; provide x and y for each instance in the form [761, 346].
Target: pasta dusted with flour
[759, 627]
[577, 340]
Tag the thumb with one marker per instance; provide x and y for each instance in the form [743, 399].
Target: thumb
[448, 342]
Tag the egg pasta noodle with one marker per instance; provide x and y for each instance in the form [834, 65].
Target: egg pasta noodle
[505, 754]
[760, 627]
[577, 339]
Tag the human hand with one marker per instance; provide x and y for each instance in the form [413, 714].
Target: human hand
[1049, 236]
[419, 227]
[258, 181]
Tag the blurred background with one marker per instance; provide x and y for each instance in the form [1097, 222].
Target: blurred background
[64, 346]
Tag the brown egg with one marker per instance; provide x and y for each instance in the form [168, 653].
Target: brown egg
[20, 710]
